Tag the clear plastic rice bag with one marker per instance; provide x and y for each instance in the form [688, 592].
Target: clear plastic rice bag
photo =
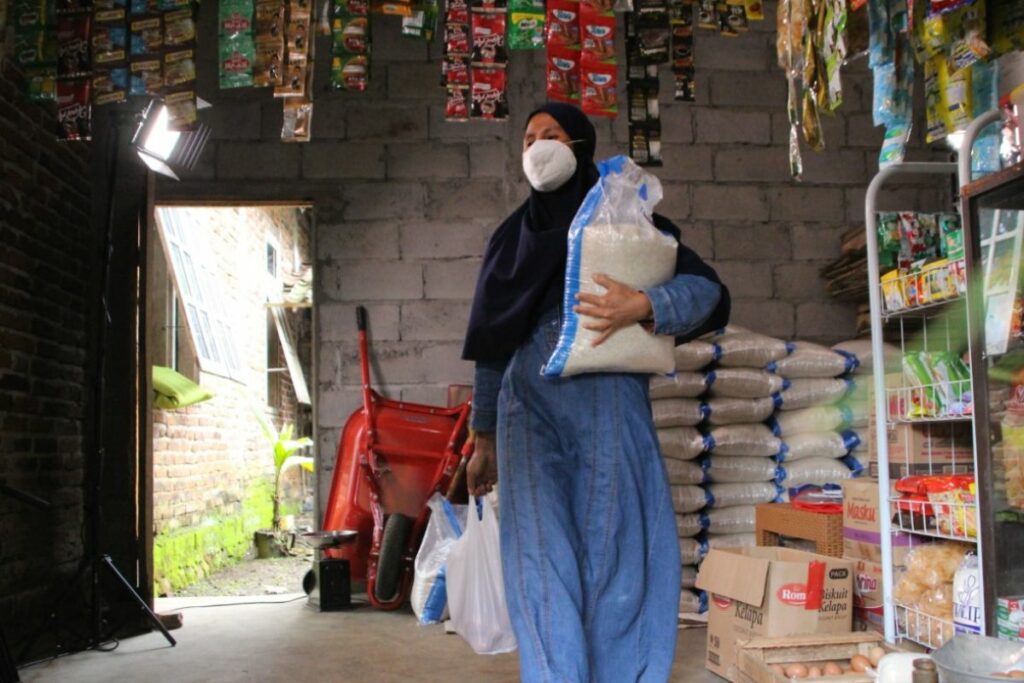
[741, 469]
[684, 471]
[749, 350]
[752, 493]
[689, 524]
[741, 519]
[743, 439]
[815, 419]
[805, 393]
[731, 540]
[694, 355]
[689, 575]
[613, 234]
[813, 360]
[744, 383]
[680, 443]
[817, 471]
[728, 411]
[861, 350]
[688, 498]
[677, 412]
[680, 385]
[818, 444]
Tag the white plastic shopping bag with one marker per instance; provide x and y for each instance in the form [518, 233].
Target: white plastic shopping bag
[476, 591]
[613, 234]
[429, 596]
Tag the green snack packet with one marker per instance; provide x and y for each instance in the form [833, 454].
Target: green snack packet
[924, 400]
[952, 235]
[526, 31]
[235, 17]
[526, 6]
[888, 226]
[237, 56]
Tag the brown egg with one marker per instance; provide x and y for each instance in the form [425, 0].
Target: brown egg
[832, 669]
[777, 668]
[813, 672]
[796, 671]
[875, 655]
[859, 663]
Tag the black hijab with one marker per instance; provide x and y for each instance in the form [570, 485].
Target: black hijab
[523, 272]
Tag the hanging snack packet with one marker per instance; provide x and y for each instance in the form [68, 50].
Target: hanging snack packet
[456, 39]
[298, 120]
[643, 101]
[74, 109]
[140, 8]
[297, 37]
[934, 119]
[179, 68]
[350, 35]
[707, 15]
[350, 72]
[179, 27]
[754, 10]
[488, 94]
[598, 6]
[563, 24]
[654, 33]
[235, 17]
[268, 68]
[645, 143]
[736, 16]
[599, 84]
[563, 74]
[956, 97]
[894, 145]
[967, 27]
[182, 112]
[526, 30]
[268, 20]
[457, 12]
[146, 77]
[237, 56]
[951, 235]
[109, 85]
[295, 78]
[147, 36]
[488, 39]
[456, 106]
[109, 37]
[73, 38]
[597, 36]
[685, 84]
[457, 71]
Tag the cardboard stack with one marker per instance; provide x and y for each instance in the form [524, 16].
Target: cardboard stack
[745, 417]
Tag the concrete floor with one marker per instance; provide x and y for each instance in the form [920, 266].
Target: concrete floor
[291, 642]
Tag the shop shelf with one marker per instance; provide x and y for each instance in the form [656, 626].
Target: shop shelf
[949, 521]
[909, 282]
[938, 399]
[921, 627]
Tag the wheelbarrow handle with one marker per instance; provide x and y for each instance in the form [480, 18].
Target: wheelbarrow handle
[361, 318]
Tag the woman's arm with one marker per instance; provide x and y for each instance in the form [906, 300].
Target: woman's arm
[486, 385]
[682, 304]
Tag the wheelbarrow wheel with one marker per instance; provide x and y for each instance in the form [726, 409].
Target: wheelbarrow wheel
[389, 563]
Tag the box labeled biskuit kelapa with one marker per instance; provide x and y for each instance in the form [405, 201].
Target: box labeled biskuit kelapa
[771, 592]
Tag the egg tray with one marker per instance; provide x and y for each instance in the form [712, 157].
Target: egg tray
[755, 656]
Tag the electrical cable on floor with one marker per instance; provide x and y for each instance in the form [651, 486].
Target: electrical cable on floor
[355, 603]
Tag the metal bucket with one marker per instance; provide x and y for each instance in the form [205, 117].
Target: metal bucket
[972, 659]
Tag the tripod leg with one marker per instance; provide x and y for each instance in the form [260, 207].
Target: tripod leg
[138, 599]
[8, 672]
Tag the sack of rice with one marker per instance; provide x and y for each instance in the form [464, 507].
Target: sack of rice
[741, 519]
[688, 498]
[677, 412]
[692, 550]
[819, 471]
[813, 360]
[728, 411]
[684, 471]
[861, 350]
[818, 444]
[749, 350]
[744, 383]
[752, 493]
[804, 393]
[738, 470]
[743, 439]
[694, 355]
[680, 385]
[689, 525]
[814, 419]
[681, 443]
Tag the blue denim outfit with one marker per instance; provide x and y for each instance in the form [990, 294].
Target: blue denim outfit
[588, 535]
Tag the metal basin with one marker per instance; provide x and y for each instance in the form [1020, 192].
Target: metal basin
[321, 540]
[971, 659]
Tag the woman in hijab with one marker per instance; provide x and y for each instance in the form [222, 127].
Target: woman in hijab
[589, 546]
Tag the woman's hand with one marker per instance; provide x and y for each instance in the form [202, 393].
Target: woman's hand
[482, 470]
[620, 306]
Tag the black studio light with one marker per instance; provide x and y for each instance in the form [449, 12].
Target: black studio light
[165, 151]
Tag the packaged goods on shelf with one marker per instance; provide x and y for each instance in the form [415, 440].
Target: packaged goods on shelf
[680, 385]
[743, 439]
[814, 361]
[967, 596]
[681, 443]
[744, 383]
[684, 472]
[941, 505]
[677, 412]
[740, 469]
[1010, 618]
[924, 593]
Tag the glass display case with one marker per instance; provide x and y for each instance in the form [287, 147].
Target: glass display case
[993, 214]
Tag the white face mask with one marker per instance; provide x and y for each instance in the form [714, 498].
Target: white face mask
[548, 164]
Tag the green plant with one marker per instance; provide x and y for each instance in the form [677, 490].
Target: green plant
[285, 449]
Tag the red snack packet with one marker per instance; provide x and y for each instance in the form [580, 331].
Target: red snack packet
[456, 106]
[563, 27]
[598, 91]
[563, 74]
[74, 109]
[456, 71]
[456, 39]
[488, 94]
[489, 39]
[597, 35]
[74, 34]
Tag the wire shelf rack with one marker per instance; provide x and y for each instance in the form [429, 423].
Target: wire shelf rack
[951, 520]
[919, 293]
[936, 402]
[921, 627]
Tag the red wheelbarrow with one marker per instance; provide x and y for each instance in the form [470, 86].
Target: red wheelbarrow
[391, 458]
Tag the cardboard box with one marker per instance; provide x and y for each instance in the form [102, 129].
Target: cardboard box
[915, 444]
[868, 598]
[771, 592]
[1010, 618]
[862, 514]
[756, 656]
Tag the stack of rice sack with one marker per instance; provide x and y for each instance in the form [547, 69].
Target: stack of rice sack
[745, 418]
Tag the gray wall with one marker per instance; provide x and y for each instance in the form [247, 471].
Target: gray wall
[405, 201]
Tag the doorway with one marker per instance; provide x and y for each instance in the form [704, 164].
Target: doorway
[229, 339]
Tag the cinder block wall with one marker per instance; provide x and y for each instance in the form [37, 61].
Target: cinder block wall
[45, 254]
[405, 200]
